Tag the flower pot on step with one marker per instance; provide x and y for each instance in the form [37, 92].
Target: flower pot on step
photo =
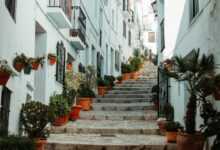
[60, 121]
[75, 112]
[134, 75]
[126, 76]
[86, 103]
[102, 90]
[190, 141]
[40, 143]
[4, 77]
[171, 137]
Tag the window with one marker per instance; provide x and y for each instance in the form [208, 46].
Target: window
[100, 38]
[117, 60]
[194, 8]
[11, 6]
[124, 29]
[60, 68]
[162, 42]
[151, 37]
[129, 38]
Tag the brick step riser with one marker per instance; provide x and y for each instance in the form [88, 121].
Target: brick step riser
[105, 131]
[118, 118]
[52, 146]
[122, 108]
[121, 101]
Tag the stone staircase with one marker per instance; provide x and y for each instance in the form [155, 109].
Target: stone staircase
[124, 119]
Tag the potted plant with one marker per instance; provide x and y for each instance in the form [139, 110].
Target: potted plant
[5, 72]
[52, 58]
[19, 62]
[35, 62]
[126, 69]
[135, 62]
[69, 66]
[171, 131]
[72, 83]
[196, 71]
[34, 118]
[109, 81]
[119, 79]
[102, 86]
[59, 110]
[85, 97]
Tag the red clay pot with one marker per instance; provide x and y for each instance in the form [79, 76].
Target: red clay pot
[171, 137]
[134, 75]
[18, 66]
[60, 121]
[69, 66]
[102, 90]
[190, 141]
[75, 112]
[40, 143]
[52, 60]
[86, 103]
[4, 77]
[35, 65]
[126, 76]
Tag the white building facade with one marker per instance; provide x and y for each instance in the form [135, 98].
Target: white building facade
[86, 32]
[185, 25]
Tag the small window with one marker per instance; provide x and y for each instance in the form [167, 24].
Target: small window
[129, 38]
[124, 29]
[100, 38]
[117, 60]
[11, 6]
[162, 36]
[194, 8]
[60, 69]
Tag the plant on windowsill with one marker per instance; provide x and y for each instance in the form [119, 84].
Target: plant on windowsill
[52, 58]
[35, 117]
[102, 86]
[171, 131]
[199, 75]
[5, 72]
[59, 110]
[19, 62]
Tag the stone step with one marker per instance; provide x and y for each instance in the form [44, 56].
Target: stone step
[129, 92]
[118, 115]
[131, 88]
[106, 142]
[123, 106]
[108, 127]
[147, 86]
[120, 100]
[148, 95]
[139, 82]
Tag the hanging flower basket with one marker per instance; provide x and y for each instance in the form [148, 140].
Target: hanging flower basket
[27, 69]
[35, 66]
[52, 59]
[35, 62]
[69, 66]
[4, 77]
[19, 62]
[5, 72]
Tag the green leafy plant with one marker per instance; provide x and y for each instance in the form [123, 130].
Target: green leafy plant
[109, 80]
[16, 143]
[58, 106]
[198, 72]
[34, 118]
[136, 53]
[5, 68]
[173, 126]
[135, 62]
[90, 77]
[101, 82]
[119, 78]
[85, 91]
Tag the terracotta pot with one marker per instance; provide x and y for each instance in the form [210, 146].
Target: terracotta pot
[134, 75]
[18, 66]
[4, 77]
[69, 66]
[75, 112]
[190, 141]
[102, 90]
[40, 143]
[171, 137]
[35, 65]
[52, 60]
[126, 76]
[60, 121]
[86, 103]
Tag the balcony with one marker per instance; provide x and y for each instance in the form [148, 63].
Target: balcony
[131, 20]
[78, 32]
[61, 12]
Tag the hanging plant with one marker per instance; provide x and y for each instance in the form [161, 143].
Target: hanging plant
[35, 62]
[5, 72]
[52, 58]
[69, 66]
[19, 62]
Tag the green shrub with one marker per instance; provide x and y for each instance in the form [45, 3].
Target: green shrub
[119, 78]
[34, 118]
[136, 62]
[85, 91]
[16, 143]
[58, 106]
[109, 80]
[101, 82]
